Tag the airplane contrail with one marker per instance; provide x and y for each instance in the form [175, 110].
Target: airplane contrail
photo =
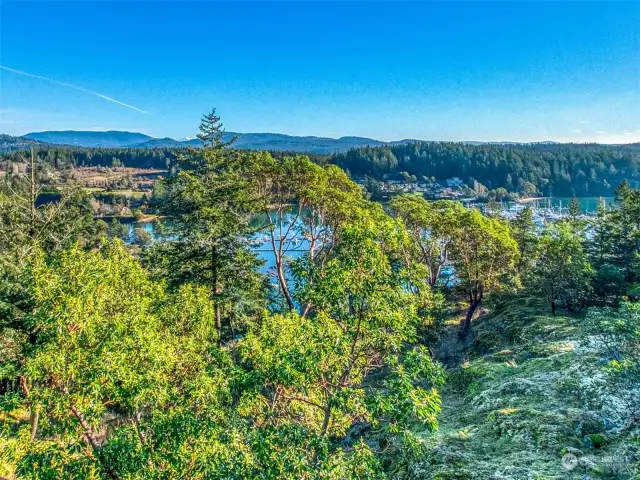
[75, 87]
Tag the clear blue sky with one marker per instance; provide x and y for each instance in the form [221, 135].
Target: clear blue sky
[436, 71]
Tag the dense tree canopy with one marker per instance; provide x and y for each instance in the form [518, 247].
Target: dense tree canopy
[61, 157]
[561, 170]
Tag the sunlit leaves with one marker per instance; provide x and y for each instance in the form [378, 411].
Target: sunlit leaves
[562, 271]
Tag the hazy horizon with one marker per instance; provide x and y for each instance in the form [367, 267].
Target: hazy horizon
[193, 136]
[502, 72]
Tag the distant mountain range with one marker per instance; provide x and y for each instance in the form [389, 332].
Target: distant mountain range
[249, 141]
[110, 139]
[547, 142]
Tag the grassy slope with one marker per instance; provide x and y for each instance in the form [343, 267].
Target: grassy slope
[527, 393]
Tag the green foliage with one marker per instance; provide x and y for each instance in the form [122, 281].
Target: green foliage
[484, 257]
[575, 211]
[96, 332]
[562, 272]
[27, 226]
[617, 333]
[138, 215]
[117, 229]
[344, 363]
[184, 366]
[113, 352]
[63, 158]
[130, 381]
[129, 374]
[498, 195]
[142, 237]
[432, 227]
[615, 249]
[210, 205]
[524, 232]
[300, 199]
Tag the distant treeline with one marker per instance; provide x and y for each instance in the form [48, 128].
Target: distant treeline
[65, 157]
[62, 157]
[549, 169]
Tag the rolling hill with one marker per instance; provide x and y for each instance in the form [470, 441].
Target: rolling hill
[250, 141]
[109, 139]
[10, 143]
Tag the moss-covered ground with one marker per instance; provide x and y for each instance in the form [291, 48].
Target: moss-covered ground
[524, 401]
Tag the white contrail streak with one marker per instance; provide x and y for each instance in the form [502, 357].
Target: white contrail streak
[75, 87]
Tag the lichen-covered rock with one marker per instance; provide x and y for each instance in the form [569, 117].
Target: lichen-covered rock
[590, 422]
[595, 440]
[573, 451]
[513, 473]
[514, 411]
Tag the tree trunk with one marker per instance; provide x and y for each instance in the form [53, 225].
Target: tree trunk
[466, 325]
[216, 307]
[283, 285]
[33, 195]
[34, 416]
[277, 251]
[88, 433]
[34, 419]
[325, 421]
[215, 291]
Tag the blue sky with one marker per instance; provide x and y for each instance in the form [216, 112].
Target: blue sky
[436, 71]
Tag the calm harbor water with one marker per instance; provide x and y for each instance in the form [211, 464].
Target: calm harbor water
[299, 246]
[589, 204]
[261, 242]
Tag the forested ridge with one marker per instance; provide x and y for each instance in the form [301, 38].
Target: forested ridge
[413, 340]
[61, 157]
[548, 169]
[10, 143]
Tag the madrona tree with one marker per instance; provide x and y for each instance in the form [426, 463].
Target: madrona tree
[484, 257]
[129, 380]
[432, 227]
[116, 358]
[303, 201]
[350, 362]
